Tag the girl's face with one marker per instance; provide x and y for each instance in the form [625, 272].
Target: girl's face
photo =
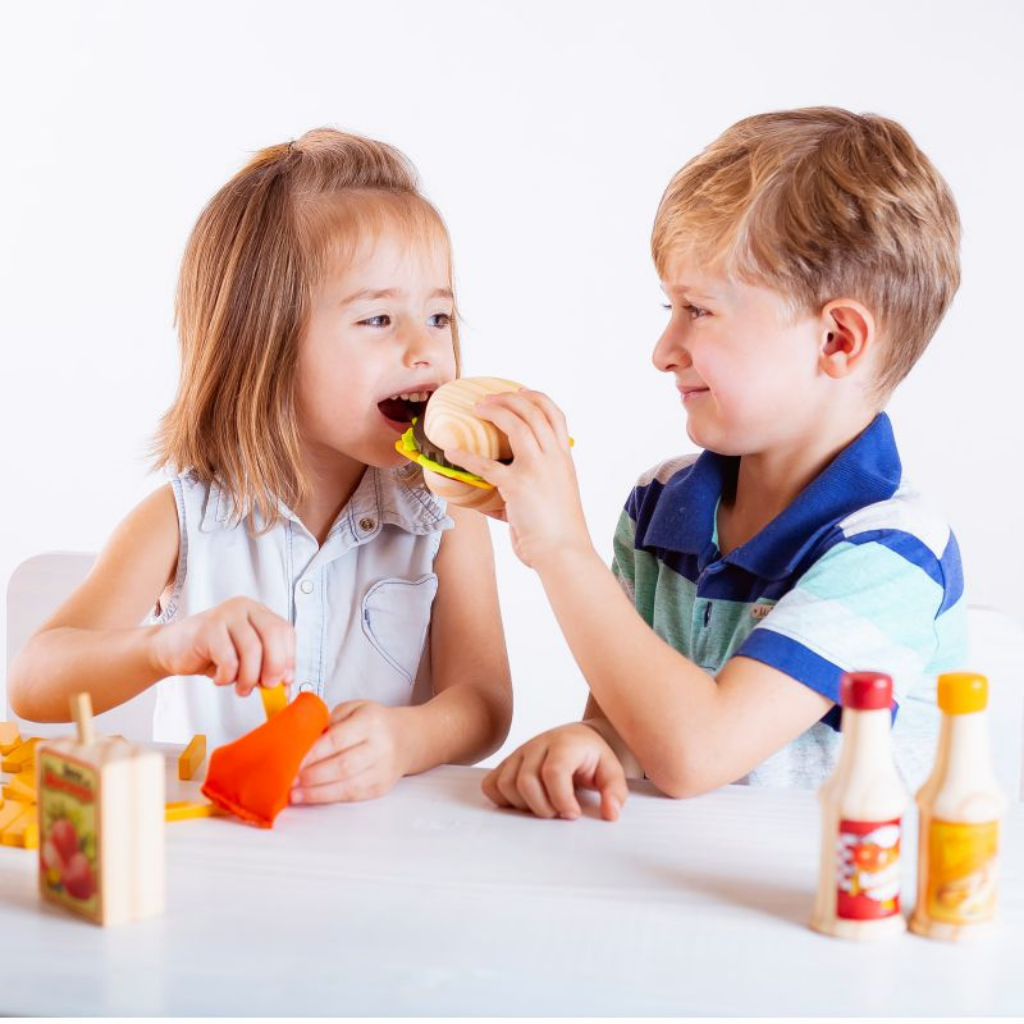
[380, 329]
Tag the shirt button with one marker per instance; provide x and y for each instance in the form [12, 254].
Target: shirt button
[306, 586]
[306, 688]
[366, 524]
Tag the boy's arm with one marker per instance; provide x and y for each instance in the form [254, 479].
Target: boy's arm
[690, 731]
[470, 714]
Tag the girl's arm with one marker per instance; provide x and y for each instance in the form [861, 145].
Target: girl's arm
[94, 642]
[469, 716]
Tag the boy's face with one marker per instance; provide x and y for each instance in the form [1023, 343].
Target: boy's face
[746, 365]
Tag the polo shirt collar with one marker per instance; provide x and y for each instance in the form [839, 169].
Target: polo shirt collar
[866, 471]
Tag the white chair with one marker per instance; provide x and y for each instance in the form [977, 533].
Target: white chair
[35, 589]
[997, 651]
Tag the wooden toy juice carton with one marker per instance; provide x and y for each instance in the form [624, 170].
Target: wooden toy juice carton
[960, 809]
[101, 824]
[862, 814]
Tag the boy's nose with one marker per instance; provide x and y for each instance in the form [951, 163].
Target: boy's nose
[670, 353]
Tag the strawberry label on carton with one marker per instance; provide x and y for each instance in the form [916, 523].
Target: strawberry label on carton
[69, 853]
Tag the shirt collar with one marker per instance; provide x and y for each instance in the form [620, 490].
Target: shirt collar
[866, 471]
[395, 497]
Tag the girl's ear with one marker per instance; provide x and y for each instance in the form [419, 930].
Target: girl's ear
[848, 337]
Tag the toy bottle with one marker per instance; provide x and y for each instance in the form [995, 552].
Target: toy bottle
[862, 804]
[101, 824]
[960, 809]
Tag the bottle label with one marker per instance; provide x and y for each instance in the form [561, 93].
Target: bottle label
[961, 886]
[868, 869]
[68, 839]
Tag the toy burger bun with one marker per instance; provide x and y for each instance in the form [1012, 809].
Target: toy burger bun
[449, 422]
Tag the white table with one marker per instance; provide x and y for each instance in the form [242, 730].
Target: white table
[431, 901]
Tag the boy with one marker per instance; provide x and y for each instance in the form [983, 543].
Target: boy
[808, 257]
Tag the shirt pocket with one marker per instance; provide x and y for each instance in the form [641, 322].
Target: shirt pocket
[396, 616]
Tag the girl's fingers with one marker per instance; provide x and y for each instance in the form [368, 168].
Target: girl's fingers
[278, 641]
[339, 737]
[363, 786]
[221, 651]
[346, 765]
[250, 656]
[489, 785]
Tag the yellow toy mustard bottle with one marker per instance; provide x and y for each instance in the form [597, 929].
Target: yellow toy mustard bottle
[960, 810]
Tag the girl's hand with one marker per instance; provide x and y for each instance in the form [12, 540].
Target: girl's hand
[542, 498]
[240, 642]
[542, 775]
[357, 758]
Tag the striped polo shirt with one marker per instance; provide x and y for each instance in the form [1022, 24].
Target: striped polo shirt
[857, 573]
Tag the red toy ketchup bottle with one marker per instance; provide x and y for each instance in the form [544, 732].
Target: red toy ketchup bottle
[862, 805]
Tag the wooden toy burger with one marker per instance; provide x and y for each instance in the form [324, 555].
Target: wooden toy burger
[449, 422]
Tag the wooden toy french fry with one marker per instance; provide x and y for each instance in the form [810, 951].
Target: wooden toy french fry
[252, 777]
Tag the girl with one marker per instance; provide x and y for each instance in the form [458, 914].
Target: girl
[316, 314]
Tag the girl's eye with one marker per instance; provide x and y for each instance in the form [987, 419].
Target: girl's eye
[377, 321]
[441, 320]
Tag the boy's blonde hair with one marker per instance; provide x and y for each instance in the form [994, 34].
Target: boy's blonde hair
[821, 204]
[251, 267]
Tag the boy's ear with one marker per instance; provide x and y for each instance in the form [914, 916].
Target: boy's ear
[848, 336]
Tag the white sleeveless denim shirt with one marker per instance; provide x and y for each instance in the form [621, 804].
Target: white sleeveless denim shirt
[360, 604]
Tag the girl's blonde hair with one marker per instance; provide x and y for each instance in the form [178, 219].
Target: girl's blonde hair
[821, 204]
[251, 267]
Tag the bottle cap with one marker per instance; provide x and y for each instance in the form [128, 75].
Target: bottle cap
[866, 691]
[962, 693]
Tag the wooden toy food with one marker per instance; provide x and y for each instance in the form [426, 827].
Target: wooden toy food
[101, 824]
[862, 805]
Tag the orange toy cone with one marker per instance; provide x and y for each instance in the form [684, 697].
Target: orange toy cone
[253, 776]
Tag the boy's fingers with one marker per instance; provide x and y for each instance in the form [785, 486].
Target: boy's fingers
[558, 774]
[610, 782]
[493, 472]
[529, 785]
[520, 429]
[553, 414]
[489, 785]
[506, 783]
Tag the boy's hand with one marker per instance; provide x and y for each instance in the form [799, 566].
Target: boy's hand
[542, 774]
[239, 641]
[357, 758]
[542, 498]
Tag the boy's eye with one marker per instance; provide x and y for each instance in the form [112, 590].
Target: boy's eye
[377, 321]
[693, 312]
[441, 320]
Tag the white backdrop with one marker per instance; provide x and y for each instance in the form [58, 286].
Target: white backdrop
[545, 132]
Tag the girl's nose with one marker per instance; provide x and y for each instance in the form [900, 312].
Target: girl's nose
[419, 346]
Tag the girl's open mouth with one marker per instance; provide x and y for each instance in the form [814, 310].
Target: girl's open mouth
[401, 410]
